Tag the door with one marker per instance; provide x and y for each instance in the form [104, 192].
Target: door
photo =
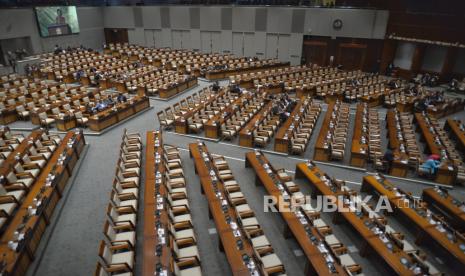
[271, 46]
[351, 56]
[216, 42]
[283, 47]
[315, 52]
[205, 42]
[116, 35]
[152, 38]
[176, 38]
[249, 45]
[149, 38]
[238, 44]
[186, 40]
[157, 38]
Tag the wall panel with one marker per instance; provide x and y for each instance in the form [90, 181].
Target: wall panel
[404, 55]
[434, 58]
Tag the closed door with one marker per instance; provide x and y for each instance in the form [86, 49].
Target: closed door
[116, 35]
[351, 56]
[249, 45]
[149, 38]
[186, 40]
[157, 38]
[216, 42]
[238, 44]
[176, 38]
[271, 46]
[283, 47]
[205, 42]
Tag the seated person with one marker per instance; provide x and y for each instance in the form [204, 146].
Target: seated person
[121, 98]
[100, 106]
[430, 166]
[388, 158]
[108, 101]
[216, 87]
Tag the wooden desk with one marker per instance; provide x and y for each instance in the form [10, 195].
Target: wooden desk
[181, 125]
[426, 232]
[66, 123]
[227, 239]
[360, 222]
[452, 209]
[150, 236]
[400, 164]
[323, 153]
[316, 263]
[246, 133]
[109, 117]
[213, 126]
[458, 135]
[19, 152]
[8, 115]
[34, 226]
[283, 136]
[359, 151]
[447, 173]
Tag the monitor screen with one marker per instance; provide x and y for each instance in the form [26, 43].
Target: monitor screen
[55, 21]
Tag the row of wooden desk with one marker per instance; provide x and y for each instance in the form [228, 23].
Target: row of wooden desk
[452, 209]
[447, 173]
[236, 248]
[307, 237]
[359, 150]
[428, 228]
[150, 259]
[47, 191]
[456, 131]
[322, 152]
[181, 124]
[283, 136]
[364, 222]
[246, 135]
[110, 116]
[213, 126]
[23, 148]
[400, 165]
[222, 74]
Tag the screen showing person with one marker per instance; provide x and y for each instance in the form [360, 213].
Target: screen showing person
[55, 21]
[60, 19]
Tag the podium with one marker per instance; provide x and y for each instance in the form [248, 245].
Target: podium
[59, 29]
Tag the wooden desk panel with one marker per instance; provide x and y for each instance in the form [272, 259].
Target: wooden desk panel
[225, 233]
[316, 261]
[359, 151]
[452, 209]
[457, 134]
[323, 153]
[283, 135]
[213, 126]
[109, 117]
[180, 124]
[246, 133]
[391, 257]
[426, 232]
[34, 226]
[150, 237]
